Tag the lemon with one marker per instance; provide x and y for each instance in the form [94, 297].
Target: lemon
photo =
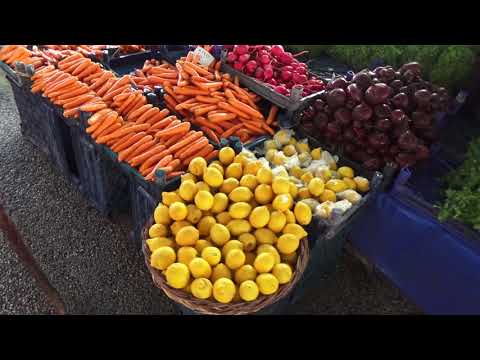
[265, 236]
[264, 175]
[249, 241]
[157, 230]
[221, 271]
[250, 258]
[212, 255]
[306, 177]
[281, 185]
[239, 210]
[328, 195]
[204, 200]
[252, 167]
[228, 185]
[213, 177]
[223, 218]
[302, 147]
[178, 211]
[303, 213]
[242, 158]
[290, 217]
[197, 166]
[336, 185]
[226, 155]
[224, 290]
[263, 194]
[283, 273]
[200, 268]
[244, 273]
[187, 236]
[161, 215]
[270, 144]
[289, 150]
[345, 171]
[232, 244]
[202, 244]
[267, 284]
[187, 190]
[282, 202]
[277, 221]
[264, 262]
[219, 234]
[297, 171]
[304, 193]
[203, 186]
[270, 154]
[350, 183]
[157, 242]
[201, 288]
[177, 275]
[235, 258]
[194, 214]
[188, 176]
[168, 198]
[241, 194]
[205, 224]
[259, 217]
[267, 248]
[162, 258]
[279, 158]
[239, 226]
[316, 153]
[220, 203]
[249, 181]
[293, 190]
[218, 166]
[234, 170]
[186, 254]
[290, 258]
[362, 184]
[288, 243]
[177, 225]
[316, 186]
[248, 290]
[295, 229]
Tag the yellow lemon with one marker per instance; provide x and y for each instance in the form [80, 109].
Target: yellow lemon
[177, 275]
[345, 171]
[186, 254]
[235, 258]
[283, 273]
[158, 230]
[264, 262]
[265, 236]
[362, 184]
[290, 259]
[270, 154]
[267, 284]
[328, 195]
[201, 288]
[264, 175]
[188, 176]
[241, 193]
[224, 290]
[239, 210]
[316, 153]
[277, 221]
[221, 271]
[302, 147]
[290, 217]
[304, 193]
[161, 215]
[288, 243]
[293, 190]
[297, 171]
[306, 177]
[270, 144]
[217, 166]
[162, 258]
[249, 181]
[249, 241]
[295, 229]
[282, 202]
[351, 184]
[250, 258]
[336, 185]
[316, 186]
[232, 244]
[213, 177]
[259, 217]
[248, 290]
[279, 158]
[244, 273]
[194, 214]
[303, 213]
[202, 244]
[168, 198]
[197, 166]
[234, 170]
[187, 190]
[187, 236]
[204, 200]
[267, 248]
[212, 255]
[200, 268]
[157, 242]
[281, 185]
[252, 167]
[228, 185]
[177, 225]
[226, 155]
[239, 226]
[289, 150]
[223, 218]
[220, 203]
[205, 224]
[219, 234]
[178, 211]
[203, 186]
[263, 194]
[241, 158]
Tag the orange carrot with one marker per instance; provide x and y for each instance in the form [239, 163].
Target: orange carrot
[147, 115]
[98, 116]
[141, 158]
[174, 139]
[93, 107]
[126, 143]
[220, 117]
[118, 141]
[175, 174]
[245, 108]
[109, 120]
[142, 148]
[137, 113]
[154, 159]
[122, 155]
[204, 122]
[196, 146]
[123, 131]
[231, 131]
[190, 139]
[110, 129]
[210, 134]
[176, 129]
[230, 108]
[204, 110]
[79, 100]
[202, 153]
[158, 117]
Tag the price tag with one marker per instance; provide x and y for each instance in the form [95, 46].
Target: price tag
[205, 57]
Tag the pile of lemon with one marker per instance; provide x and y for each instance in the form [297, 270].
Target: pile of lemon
[230, 232]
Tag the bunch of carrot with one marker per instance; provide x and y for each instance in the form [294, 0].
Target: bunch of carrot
[13, 53]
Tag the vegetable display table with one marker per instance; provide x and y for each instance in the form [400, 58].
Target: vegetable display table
[433, 264]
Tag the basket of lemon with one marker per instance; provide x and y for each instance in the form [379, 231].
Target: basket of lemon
[230, 240]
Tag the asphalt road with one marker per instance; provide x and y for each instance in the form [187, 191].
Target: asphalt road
[91, 261]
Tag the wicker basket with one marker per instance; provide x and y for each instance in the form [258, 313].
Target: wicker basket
[207, 307]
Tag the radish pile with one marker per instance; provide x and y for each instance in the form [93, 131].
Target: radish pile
[274, 66]
[381, 116]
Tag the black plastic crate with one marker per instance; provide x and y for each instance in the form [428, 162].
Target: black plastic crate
[172, 53]
[125, 64]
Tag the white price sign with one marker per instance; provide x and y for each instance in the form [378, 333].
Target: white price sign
[205, 57]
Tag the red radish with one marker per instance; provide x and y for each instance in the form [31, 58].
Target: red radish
[231, 57]
[273, 82]
[259, 73]
[244, 58]
[238, 66]
[241, 49]
[286, 75]
[281, 89]
[268, 72]
[264, 59]
[277, 50]
[251, 66]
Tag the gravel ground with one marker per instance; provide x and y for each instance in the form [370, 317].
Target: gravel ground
[94, 266]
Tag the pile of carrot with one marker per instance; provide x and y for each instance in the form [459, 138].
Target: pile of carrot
[13, 53]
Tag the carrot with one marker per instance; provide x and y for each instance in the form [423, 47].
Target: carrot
[158, 116]
[102, 80]
[70, 112]
[245, 108]
[79, 100]
[161, 163]
[206, 99]
[254, 128]
[122, 155]
[121, 98]
[176, 129]
[88, 70]
[188, 140]
[71, 94]
[175, 174]
[231, 131]
[212, 155]
[152, 160]
[196, 146]
[147, 115]
[204, 110]
[126, 129]
[111, 94]
[189, 91]
[124, 80]
[114, 143]
[140, 159]
[163, 123]
[226, 106]
[197, 68]
[128, 141]
[170, 100]
[202, 153]
[204, 122]
[174, 139]
[93, 107]
[92, 77]
[220, 117]
[98, 115]
[109, 120]
[103, 90]
[112, 128]
[210, 134]
[136, 104]
[82, 66]
[142, 148]
[137, 113]
[268, 128]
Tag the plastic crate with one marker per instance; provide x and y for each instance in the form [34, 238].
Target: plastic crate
[172, 53]
[125, 64]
